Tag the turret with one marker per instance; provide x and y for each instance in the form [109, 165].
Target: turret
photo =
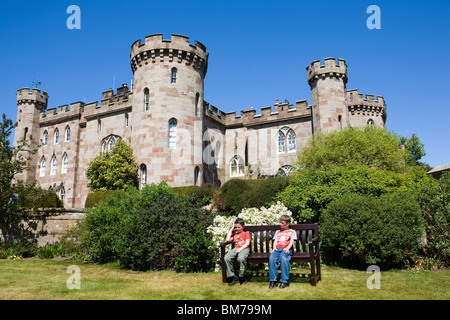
[328, 93]
[167, 108]
[30, 104]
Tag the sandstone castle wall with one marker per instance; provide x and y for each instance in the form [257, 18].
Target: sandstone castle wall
[175, 135]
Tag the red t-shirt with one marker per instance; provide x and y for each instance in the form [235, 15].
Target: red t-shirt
[240, 238]
[284, 237]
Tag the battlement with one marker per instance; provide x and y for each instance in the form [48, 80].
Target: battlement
[110, 103]
[35, 96]
[356, 98]
[282, 112]
[357, 103]
[176, 49]
[330, 68]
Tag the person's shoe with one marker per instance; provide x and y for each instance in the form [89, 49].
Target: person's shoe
[272, 284]
[243, 280]
[233, 280]
[283, 285]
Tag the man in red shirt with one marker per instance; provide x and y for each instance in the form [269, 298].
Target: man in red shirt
[241, 250]
[281, 253]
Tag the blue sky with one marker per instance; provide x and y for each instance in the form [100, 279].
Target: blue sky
[258, 52]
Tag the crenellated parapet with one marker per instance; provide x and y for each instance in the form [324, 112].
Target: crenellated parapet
[357, 104]
[35, 96]
[281, 112]
[111, 103]
[331, 68]
[176, 50]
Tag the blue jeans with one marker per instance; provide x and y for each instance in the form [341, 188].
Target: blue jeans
[284, 259]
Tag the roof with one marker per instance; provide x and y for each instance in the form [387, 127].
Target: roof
[440, 168]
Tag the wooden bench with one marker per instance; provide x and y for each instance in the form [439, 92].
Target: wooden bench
[305, 248]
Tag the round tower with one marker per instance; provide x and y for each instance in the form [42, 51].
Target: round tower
[328, 93]
[30, 104]
[168, 108]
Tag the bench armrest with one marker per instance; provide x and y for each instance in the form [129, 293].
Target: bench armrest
[223, 244]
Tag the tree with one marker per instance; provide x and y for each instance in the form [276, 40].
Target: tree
[371, 147]
[12, 162]
[415, 150]
[367, 162]
[113, 170]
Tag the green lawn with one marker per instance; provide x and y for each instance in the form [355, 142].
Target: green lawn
[47, 279]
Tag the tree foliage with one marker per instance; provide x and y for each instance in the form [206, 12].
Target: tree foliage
[113, 170]
[371, 147]
[12, 162]
[354, 180]
[415, 150]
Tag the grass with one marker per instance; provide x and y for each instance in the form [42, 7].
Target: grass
[36, 279]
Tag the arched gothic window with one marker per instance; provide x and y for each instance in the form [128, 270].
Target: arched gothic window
[196, 175]
[236, 167]
[143, 173]
[197, 96]
[62, 193]
[53, 166]
[45, 137]
[56, 137]
[281, 140]
[172, 134]
[286, 137]
[292, 145]
[42, 169]
[285, 170]
[111, 144]
[67, 134]
[65, 163]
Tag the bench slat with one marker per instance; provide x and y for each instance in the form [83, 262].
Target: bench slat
[306, 247]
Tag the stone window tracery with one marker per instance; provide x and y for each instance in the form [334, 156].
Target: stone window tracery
[236, 166]
[286, 136]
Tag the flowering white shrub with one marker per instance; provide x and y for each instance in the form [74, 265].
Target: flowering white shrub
[252, 216]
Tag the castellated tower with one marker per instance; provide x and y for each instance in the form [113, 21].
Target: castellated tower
[328, 95]
[29, 107]
[167, 113]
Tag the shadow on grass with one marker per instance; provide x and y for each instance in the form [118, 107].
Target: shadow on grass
[263, 276]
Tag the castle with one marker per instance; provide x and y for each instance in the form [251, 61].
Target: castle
[175, 135]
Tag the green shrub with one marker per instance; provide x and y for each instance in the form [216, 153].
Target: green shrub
[310, 191]
[94, 198]
[361, 230]
[50, 251]
[71, 242]
[434, 200]
[21, 247]
[150, 229]
[237, 194]
[203, 193]
[31, 196]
